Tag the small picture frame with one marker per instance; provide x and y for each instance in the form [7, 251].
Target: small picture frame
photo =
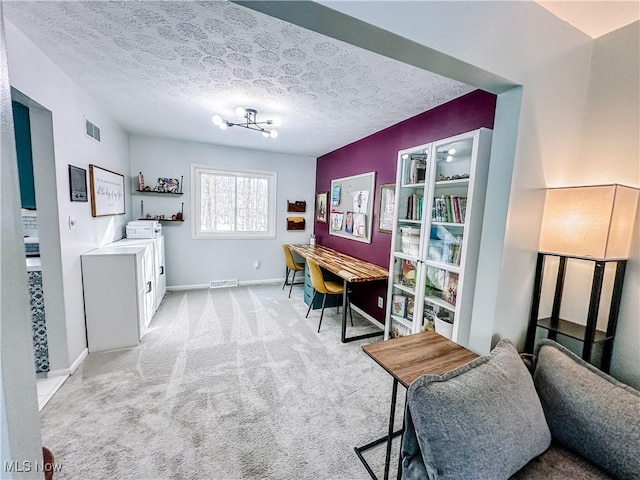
[321, 206]
[78, 184]
[387, 206]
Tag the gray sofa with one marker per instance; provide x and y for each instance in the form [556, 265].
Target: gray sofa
[491, 419]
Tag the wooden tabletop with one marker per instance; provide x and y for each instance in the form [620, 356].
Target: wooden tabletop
[409, 357]
[346, 267]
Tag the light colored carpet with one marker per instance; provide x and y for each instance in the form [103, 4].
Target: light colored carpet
[228, 384]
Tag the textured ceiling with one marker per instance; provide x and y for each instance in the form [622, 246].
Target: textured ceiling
[164, 68]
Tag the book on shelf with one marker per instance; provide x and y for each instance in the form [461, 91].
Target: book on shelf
[450, 291]
[449, 208]
[408, 274]
[410, 302]
[414, 207]
[399, 330]
[442, 283]
[399, 305]
[463, 208]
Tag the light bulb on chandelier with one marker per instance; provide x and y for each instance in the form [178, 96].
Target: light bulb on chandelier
[250, 122]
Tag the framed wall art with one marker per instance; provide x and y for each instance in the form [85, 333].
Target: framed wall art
[77, 184]
[387, 207]
[107, 192]
[321, 206]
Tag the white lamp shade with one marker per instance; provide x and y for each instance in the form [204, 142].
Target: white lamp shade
[593, 222]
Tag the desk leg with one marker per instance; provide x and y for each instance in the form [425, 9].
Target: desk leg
[344, 311]
[387, 438]
[344, 338]
[399, 474]
[392, 413]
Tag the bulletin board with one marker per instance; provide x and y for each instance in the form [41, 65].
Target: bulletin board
[351, 213]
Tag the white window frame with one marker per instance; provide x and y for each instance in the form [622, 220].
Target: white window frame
[196, 228]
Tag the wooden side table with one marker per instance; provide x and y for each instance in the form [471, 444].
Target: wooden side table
[406, 359]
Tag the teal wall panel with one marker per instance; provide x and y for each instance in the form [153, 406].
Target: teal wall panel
[25, 157]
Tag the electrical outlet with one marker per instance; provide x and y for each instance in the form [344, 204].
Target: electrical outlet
[256, 264]
[380, 302]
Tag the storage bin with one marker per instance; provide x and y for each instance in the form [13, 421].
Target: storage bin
[444, 325]
[410, 241]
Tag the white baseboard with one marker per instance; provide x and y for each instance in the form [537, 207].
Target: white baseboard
[72, 369]
[260, 282]
[372, 320]
[241, 283]
[178, 288]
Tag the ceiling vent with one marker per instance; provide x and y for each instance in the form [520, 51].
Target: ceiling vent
[91, 130]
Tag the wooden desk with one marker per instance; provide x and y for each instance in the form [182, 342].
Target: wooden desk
[406, 359]
[350, 269]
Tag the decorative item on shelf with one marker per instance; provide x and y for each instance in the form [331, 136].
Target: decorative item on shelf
[583, 226]
[250, 122]
[296, 206]
[445, 178]
[178, 217]
[168, 185]
[140, 182]
[295, 223]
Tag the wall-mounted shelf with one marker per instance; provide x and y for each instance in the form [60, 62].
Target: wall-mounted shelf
[162, 220]
[179, 217]
[158, 193]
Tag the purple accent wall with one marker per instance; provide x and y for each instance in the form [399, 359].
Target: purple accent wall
[379, 153]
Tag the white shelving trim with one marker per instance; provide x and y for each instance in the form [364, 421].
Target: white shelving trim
[439, 302]
[404, 288]
[402, 321]
[444, 266]
[405, 256]
[452, 183]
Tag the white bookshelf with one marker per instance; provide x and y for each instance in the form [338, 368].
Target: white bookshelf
[434, 250]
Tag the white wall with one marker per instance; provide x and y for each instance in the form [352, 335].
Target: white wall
[35, 76]
[20, 428]
[525, 44]
[610, 153]
[196, 262]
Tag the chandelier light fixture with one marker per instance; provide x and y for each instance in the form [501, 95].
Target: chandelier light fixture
[250, 121]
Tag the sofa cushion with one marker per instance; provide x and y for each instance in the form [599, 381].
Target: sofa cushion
[482, 420]
[558, 463]
[588, 411]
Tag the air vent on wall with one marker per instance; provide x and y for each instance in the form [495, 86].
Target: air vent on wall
[91, 130]
[223, 283]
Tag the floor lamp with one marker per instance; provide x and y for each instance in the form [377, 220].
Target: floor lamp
[592, 224]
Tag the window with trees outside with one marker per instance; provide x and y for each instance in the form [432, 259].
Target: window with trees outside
[232, 203]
